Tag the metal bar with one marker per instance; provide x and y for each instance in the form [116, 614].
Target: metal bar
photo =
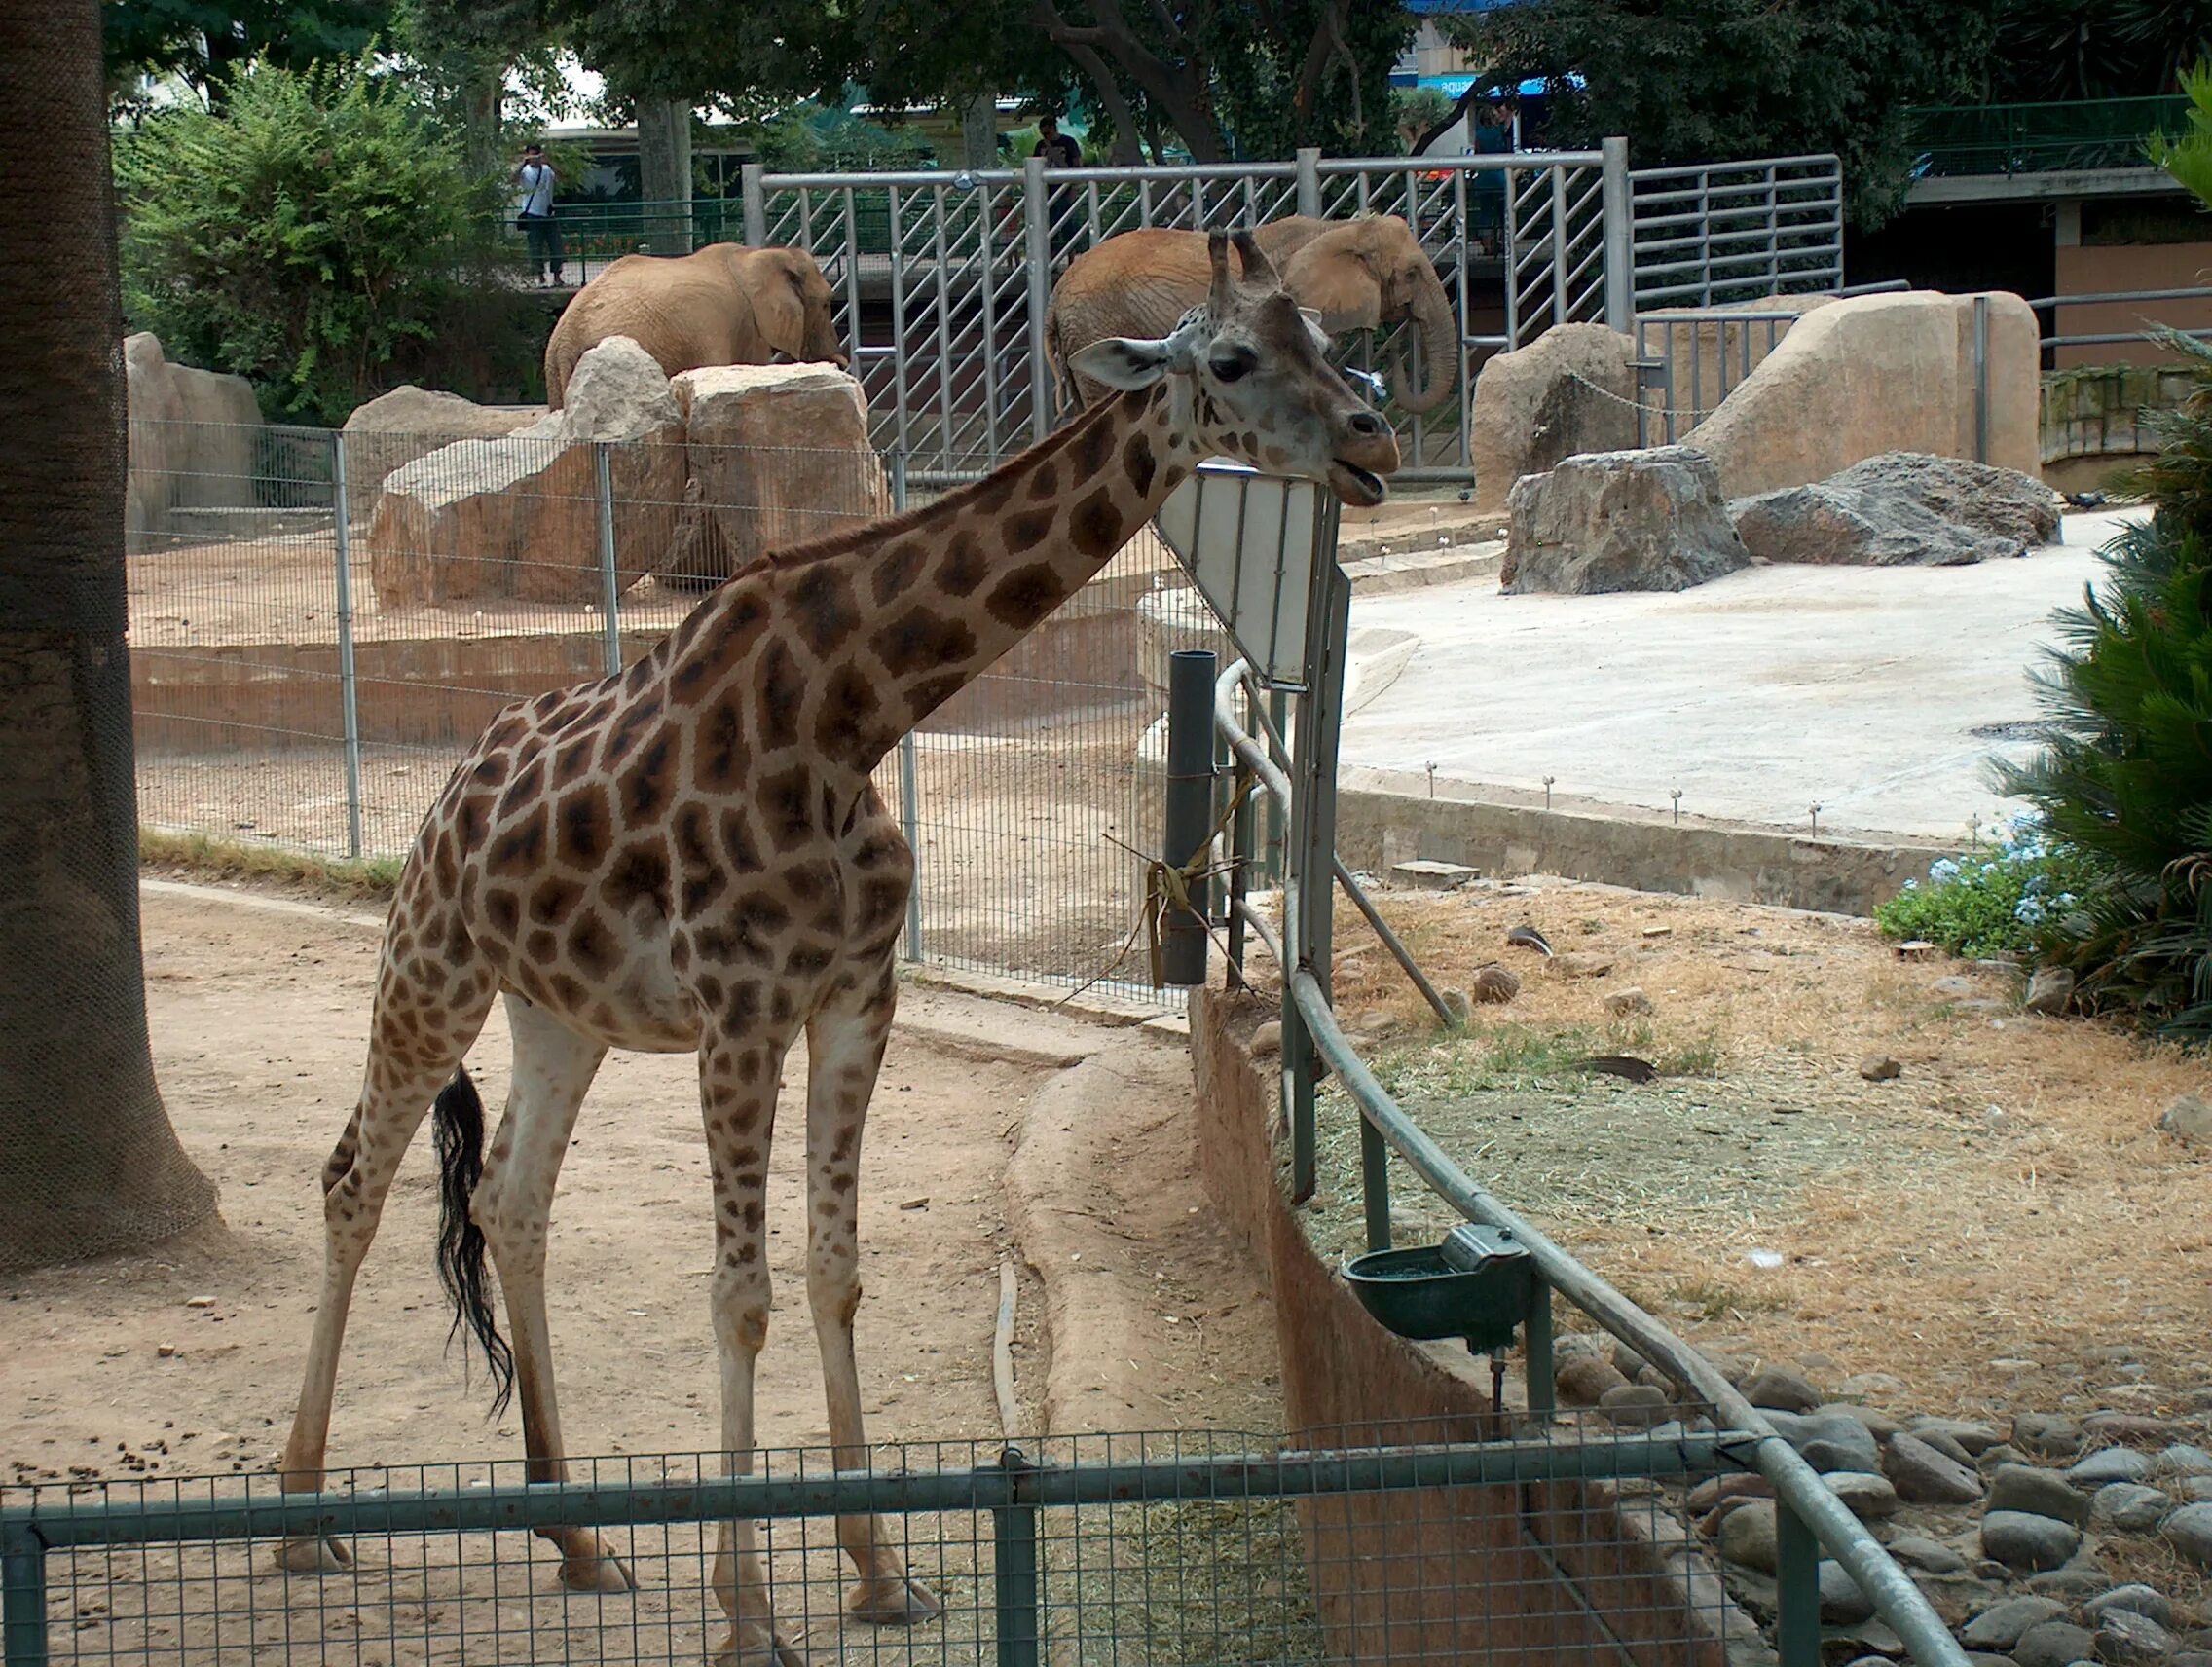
[609, 590]
[1039, 250]
[22, 1596]
[1309, 166]
[752, 188]
[1189, 813]
[1797, 1590]
[349, 680]
[909, 768]
[1558, 245]
[1375, 1185]
[1014, 1573]
[1536, 1350]
[2120, 295]
[2132, 336]
[1391, 941]
[1982, 379]
[1241, 827]
[1620, 235]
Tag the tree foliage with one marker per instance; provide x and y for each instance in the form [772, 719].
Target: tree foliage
[2096, 49]
[1720, 79]
[311, 236]
[2187, 155]
[206, 42]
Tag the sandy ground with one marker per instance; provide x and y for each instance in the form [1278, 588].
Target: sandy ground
[184, 1363]
[2000, 1227]
[1878, 693]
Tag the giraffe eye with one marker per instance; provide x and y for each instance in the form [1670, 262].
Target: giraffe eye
[1228, 364]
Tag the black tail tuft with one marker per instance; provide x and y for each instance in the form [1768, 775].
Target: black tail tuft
[458, 1126]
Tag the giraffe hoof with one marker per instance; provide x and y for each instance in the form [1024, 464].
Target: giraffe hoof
[604, 1572]
[320, 1556]
[893, 1603]
[732, 1651]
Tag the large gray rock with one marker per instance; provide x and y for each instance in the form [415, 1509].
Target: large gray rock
[519, 516]
[2126, 1639]
[1778, 1390]
[2023, 1539]
[1842, 1602]
[2024, 1487]
[1900, 509]
[217, 459]
[2129, 1506]
[154, 438]
[2143, 1600]
[2110, 1464]
[2189, 1530]
[1828, 1440]
[394, 430]
[2000, 1626]
[2053, 1644]
[1612, 520]
[1870, 1496]
[2052, 1434]
[1750, 1535]
[1571, 391]
[2187, 1120]
[1924, 1476]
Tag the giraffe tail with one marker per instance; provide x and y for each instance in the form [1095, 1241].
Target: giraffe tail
[458, 1125]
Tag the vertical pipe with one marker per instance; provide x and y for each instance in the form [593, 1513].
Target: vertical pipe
[1240, 826]
[909, 764]
[23, 1604]
[1797, 1584]
[1617, 207]
[1034, 212]
[1375, 1185]
[1013, 1575]
[609, 588]
[1982, 379]
[756, 196]
[1310, 886]
[1189, 816]
[1558, 245]
[348, 683]
[1309, 181]
[902, 375]
[1537, 1350]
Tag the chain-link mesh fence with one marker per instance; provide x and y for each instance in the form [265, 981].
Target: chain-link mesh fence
[306, 682]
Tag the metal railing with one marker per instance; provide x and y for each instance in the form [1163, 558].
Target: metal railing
[2083, 133]
[1714, 233]
[2053, 338]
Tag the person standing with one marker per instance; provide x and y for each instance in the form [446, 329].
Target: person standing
[534, 216]
[1060, 150]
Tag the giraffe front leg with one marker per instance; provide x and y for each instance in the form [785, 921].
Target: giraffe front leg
[738, 1080]
[846, 1044]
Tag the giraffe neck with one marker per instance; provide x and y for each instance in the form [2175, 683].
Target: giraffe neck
[905, 612]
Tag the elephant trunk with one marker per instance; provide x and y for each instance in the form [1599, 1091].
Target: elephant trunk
[1439, 348]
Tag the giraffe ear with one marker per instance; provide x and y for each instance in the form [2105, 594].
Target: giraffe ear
[1123, 364]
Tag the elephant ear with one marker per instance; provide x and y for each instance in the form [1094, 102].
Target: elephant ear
[1330, 277]
[779, 308]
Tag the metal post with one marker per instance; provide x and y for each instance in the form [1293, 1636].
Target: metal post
[1311, 883]
[1375, 1185]
[1619, 213]
[1189, 812]
[910, 765]
[1309, 181]
[1797, 1589]
[1014, 1573]
[1537, 1350]
[348, 683]
[755, 197]
[1982, 379]
[609, 589]
[1037, 236]
[23, 1604]
[1240, 826]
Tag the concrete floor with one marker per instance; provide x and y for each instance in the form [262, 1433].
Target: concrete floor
[1758, 694]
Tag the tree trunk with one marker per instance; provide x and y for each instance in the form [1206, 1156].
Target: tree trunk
[482, 100]
[664, 172]
[88, 1160]
[979, 132]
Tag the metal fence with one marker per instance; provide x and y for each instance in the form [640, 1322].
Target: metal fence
[308, 681]
[1717, 233]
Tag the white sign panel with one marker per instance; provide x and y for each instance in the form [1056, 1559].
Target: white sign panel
[1247, 540]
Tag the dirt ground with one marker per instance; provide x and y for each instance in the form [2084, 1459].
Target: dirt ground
[184, 1363]
[1999, 1228]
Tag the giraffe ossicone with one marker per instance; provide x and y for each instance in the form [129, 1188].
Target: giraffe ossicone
[688, 856]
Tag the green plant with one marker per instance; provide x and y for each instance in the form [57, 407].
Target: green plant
[310, 235]
[1992, 901]
[2188, 156]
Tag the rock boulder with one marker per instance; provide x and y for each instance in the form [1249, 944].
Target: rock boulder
[155, 438]
[1900, 509]
[1571, 391]
[1611, 521]
[192, 440]
[394, 430]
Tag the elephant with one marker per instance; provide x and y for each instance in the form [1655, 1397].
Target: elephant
[724, 304]
[1356, 274]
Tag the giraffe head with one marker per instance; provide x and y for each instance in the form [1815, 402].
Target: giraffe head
[1248, 379]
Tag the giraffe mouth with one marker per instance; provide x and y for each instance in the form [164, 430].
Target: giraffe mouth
[1355, 485]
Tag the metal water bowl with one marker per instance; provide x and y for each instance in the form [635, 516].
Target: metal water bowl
[1478, 1285]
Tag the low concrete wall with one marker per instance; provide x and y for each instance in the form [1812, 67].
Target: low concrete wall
[1616, 846]
[1504, 1575]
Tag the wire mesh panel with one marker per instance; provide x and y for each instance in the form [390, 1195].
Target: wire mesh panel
[1737, 231]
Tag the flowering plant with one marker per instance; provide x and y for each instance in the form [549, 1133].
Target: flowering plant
[1993, 899]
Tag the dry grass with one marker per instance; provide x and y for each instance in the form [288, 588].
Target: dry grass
[2006, 1198]
[196, 857]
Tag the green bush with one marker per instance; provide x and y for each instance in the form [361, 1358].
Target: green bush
[315, 233]
[1995, 900]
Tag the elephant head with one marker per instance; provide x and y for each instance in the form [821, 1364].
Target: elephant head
[792, 307]
[1371, 272]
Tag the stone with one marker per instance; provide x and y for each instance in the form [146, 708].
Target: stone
[1636, 1405]
[153, 439]
[1842, 1602]
[394, 430]
[2112, 1465]
[2003, 1453]
[517, 517]
[1839, 1444]
[2128, 1639]
[1880, 1068]
[1631, 1364]
[1954, 986]
[1871, 1384]
[2182, 1459]
[2050, 991]
[1579, 964]
[2000, 1626]
[1748, 1537]
[1571, 391]
[1615, 521]
[2132, 1427]
[1625, 1003]
[2189, 1530]
[2054, 1643]
[1492, 984]
[1945, 1445]
[1900, 509]
[2187, 1120]
[2072, 1583]
[1930, 1556]
[1713, 1489]
[1987, 1658]
[1974, 1439]
[1426, 873]
[2026, 1539]
[2195, 1490]
[2141, 1600]
[1924, 1476]
[780, 454]
[1267, 1039]
[1870, 1496]
[1586, 1380]
[1881, 1426]
[2024, 1487]
[2130, 1508]
[2051, 1434]
[1775, 1390]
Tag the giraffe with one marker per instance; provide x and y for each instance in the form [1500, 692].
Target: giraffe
[688, 856]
